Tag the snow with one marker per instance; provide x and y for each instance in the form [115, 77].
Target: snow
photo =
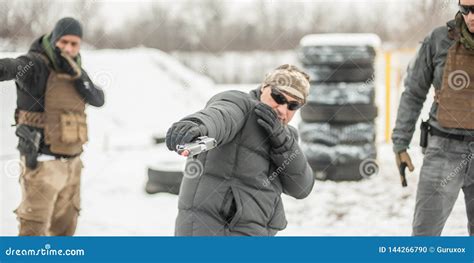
[146, 91]
[142, 87]
[341, 40]
[250, 66]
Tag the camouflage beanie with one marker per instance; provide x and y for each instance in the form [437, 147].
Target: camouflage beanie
[290, 80]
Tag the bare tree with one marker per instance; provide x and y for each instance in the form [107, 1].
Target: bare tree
[215, 25]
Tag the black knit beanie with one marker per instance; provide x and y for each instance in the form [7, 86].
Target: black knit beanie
[66, 26]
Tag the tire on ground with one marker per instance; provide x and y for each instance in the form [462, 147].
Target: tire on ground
[317, 55]
[349, 113]
[339, 154]
[337, 134]
[340, 73]
[161, 181]
[351, 171]
[341, 93]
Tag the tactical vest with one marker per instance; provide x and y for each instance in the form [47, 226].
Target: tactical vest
[63, 120]
[456, 97]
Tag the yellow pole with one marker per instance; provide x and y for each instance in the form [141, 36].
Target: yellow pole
[388, 63]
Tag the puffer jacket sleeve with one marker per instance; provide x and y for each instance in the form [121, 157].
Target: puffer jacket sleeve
[224, 115]
[20, 69]
[295, 174]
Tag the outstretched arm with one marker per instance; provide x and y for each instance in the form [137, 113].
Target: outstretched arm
[20, 68]
[221, 119]
[224, 115]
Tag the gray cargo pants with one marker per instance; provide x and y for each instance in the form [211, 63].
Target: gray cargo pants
[448, 166]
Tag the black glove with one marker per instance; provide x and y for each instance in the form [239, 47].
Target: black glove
[268, 120]
[183, 132]
[67, 64]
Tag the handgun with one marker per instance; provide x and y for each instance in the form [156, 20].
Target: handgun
[402, 168]
[200, 145]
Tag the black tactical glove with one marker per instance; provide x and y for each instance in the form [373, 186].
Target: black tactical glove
[67, 64]
[28, 144]
[183, 132]
[268, 120]
[82, 83]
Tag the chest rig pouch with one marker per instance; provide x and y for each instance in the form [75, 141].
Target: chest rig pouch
[456, 96]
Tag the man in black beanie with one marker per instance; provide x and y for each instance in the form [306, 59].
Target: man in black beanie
[52, 93]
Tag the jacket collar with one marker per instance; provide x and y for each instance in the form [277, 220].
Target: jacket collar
[255, 93]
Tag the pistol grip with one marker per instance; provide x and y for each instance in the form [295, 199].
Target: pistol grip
[403, 178]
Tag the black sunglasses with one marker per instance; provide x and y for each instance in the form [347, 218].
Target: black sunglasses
[465, 9]
[279, 98]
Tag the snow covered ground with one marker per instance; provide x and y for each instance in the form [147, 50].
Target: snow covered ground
[146, 91]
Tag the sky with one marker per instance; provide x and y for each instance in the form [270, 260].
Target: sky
[118, 11]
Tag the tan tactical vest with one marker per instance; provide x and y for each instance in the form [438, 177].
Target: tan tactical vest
[63, 119]
[456, 97]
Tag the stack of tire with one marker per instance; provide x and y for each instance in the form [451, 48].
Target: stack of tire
[337, 130]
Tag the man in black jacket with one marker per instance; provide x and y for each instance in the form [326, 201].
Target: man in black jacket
[256, 159]
[52, 92]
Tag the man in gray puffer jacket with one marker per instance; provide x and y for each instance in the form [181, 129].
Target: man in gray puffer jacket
[446, 61]
[257, 158]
